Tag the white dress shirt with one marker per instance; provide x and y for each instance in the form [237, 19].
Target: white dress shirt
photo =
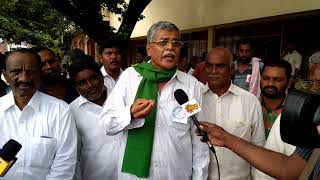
[239, 113]
[98, 152]
[177, 152]
[294, 59]
[274, 143]
[109, 82]
[46, 130]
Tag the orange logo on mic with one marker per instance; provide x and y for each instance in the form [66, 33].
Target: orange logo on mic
[191, 107]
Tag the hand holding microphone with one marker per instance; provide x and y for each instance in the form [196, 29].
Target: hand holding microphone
[7, 156]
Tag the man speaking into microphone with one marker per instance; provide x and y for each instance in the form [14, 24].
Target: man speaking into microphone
[158, 141]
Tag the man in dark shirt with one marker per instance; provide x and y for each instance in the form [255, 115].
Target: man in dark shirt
[54, 81]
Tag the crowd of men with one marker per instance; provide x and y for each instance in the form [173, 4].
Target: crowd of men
[106, 123]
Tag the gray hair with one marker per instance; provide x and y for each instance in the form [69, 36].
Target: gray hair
[161, 25]
[314, 58]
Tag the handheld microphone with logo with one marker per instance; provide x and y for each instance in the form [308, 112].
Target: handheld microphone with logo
[182, 98]
[7, 156]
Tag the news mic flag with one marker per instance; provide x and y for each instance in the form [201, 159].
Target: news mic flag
[7, 156]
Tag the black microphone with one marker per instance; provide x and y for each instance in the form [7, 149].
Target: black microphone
[181, 97]
[7, 156]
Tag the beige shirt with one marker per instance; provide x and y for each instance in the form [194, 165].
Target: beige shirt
[239, 113]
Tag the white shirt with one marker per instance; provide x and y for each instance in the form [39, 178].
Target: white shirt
[239, 113]
[178, 154]
[3, 79]
[275, 143]
[98, 152]
[109, 82]
[190, 72]
[294, 59]
[46, 130]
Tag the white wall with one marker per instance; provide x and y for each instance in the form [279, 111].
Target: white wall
[191, 14]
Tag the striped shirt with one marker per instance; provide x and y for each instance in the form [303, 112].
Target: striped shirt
[240, 79]
[305, 154]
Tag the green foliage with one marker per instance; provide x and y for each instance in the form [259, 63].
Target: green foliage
[34, 21]
[87, 14]
[44, 22]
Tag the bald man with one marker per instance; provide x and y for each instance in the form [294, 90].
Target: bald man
[234, 109]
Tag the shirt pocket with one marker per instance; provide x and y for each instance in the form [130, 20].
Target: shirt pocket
[242, 128]
[42, 152]
[173, 108]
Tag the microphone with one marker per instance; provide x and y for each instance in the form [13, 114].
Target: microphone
[7, 156]
[182, 98]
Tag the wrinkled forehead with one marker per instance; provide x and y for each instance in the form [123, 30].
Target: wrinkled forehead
[274, 71]
[111, 49]
[244, 47]
[87, 72]
[21, 59]
[167, 34]
[219, 56]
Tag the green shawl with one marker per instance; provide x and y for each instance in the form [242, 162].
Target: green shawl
[137, 155]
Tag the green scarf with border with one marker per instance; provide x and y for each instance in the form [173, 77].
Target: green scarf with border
[137, 155]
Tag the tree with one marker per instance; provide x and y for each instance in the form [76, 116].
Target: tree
[87, 15]
[33, 21]
[44, 22]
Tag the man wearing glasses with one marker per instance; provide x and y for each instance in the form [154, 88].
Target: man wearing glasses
[111, 59]
[157, 142]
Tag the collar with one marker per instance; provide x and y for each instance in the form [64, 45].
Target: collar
[8, 101]
[105, 73]
[232, 89]
[179, 75]
[280, 105]
[236, 61]
[82, 100]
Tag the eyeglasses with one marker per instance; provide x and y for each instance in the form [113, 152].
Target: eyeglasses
[306, 85]
[164, 42]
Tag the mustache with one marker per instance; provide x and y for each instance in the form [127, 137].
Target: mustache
[114, 62]
[245, 59]
[213, 76]
[274, 95]
[270, 87]
[28, 83]
[169, 53]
